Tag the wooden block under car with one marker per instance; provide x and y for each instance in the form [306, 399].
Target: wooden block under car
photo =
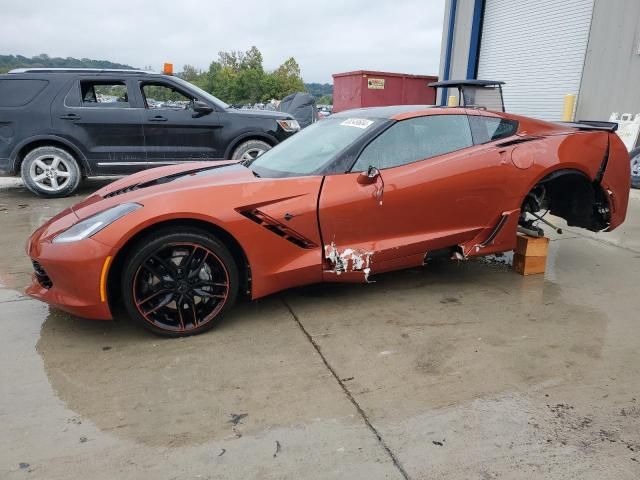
[530, 256]
[532, 246]
[529, 265]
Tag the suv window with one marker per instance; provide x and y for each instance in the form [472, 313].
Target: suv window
[488, 129]
[161, 95]
[16, 93]
[103, 93]
[416, 139]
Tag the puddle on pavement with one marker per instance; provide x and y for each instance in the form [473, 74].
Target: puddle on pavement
[248, 400]
[177, 392]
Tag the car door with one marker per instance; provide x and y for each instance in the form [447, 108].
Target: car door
[429, 188]
[174, 132]
[96, 114]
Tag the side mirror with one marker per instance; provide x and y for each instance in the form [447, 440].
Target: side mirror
[201, 107]
[369, 177]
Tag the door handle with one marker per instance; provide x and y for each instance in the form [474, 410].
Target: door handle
[158, 118]
[70, 116]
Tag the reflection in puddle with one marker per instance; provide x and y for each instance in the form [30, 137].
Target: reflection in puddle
[178, 392]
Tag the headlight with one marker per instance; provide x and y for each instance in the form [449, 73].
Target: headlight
[289, 125]
[92, 225]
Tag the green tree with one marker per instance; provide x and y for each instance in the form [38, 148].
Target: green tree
[252, 60]
[288, 78]
[325, 100]
[190, 73]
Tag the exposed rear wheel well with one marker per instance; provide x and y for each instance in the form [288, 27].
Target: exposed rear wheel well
[115, 271]
[569, 194]
[48, 143]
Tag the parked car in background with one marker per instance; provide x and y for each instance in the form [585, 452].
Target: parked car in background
[302, 106]
[324, 110]
[58, 126]
[635, 167]
[357, 194]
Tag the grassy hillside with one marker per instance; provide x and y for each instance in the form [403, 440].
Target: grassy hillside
[8, 62]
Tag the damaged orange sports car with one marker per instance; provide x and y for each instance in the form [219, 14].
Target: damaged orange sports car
[360, 193]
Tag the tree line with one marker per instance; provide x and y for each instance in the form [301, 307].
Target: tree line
[239, 78]
[9, 62]
[236, 77]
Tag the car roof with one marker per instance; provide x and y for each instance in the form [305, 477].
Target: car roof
[388, 112]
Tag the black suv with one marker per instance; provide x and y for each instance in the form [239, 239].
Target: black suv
[60, 125]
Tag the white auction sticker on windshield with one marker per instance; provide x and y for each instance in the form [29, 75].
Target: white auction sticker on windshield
[357, 122]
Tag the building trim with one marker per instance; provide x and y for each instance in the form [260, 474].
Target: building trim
[476, 37]
[447, 57]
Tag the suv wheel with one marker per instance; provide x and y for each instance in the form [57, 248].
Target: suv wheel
[50, 172]
[250, 149]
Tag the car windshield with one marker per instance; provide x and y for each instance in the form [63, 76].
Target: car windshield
[308, 151]
[201, 93]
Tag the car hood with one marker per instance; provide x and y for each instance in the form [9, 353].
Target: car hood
[163, 180]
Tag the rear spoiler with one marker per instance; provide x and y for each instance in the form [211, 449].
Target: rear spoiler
[592, 125]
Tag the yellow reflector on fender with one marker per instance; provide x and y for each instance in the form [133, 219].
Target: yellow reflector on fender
[103, 279]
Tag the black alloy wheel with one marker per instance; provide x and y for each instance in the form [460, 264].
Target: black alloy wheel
[178, 284]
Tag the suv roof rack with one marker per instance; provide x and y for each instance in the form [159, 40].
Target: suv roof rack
[80, 70]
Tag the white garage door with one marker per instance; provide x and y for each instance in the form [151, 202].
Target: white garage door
[538, 49]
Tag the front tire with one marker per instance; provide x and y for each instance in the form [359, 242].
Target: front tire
[50, 172]
[250, 149]
[178, 284]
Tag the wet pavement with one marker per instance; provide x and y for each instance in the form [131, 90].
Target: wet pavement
[454, 371]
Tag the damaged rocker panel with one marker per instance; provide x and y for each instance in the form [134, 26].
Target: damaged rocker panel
[349, 260]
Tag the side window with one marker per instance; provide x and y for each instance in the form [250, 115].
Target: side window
[488, 129]
[161, 95]
[17, 93]
[416, 139]
[102, 93]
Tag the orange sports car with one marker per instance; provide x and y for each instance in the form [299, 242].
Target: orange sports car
[360, 193]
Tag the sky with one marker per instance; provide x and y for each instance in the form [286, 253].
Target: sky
[324, 36]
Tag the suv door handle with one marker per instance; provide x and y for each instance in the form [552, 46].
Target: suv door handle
[158, 118]
[70, 116]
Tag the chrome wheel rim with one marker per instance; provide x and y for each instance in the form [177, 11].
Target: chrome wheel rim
[252, 153]
[180, 287]
[50, 172]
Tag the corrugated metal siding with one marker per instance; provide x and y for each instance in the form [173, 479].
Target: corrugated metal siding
[538, 48]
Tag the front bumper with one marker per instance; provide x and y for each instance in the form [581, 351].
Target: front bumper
[68, 276]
